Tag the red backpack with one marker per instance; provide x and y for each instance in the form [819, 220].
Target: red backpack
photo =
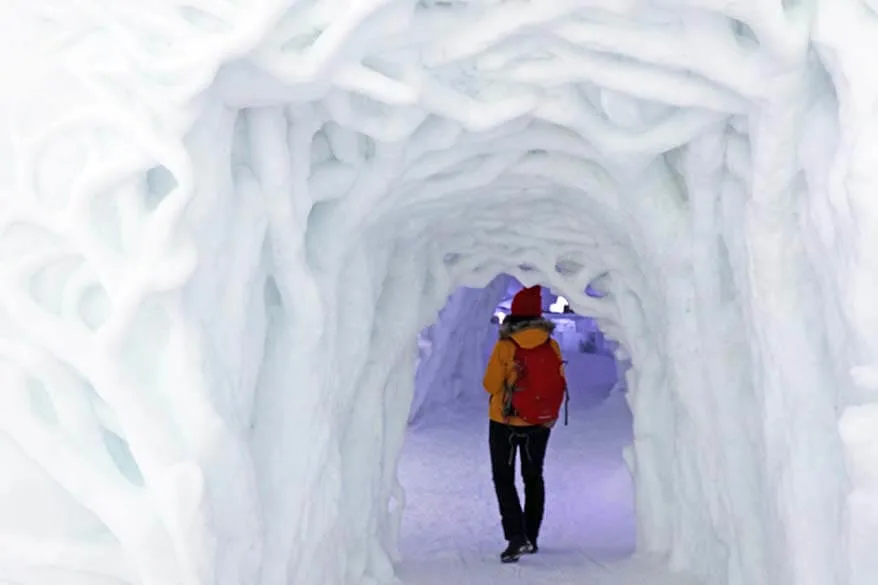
[540, 389]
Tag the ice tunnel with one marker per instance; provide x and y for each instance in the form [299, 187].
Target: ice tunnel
[223, 224]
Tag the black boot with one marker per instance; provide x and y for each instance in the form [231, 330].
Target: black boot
[514, 551]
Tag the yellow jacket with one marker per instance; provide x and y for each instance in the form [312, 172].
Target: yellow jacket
[500, 370]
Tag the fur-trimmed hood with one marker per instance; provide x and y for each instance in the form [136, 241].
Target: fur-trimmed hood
[510, 327]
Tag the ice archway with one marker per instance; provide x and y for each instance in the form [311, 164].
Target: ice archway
[223, 223]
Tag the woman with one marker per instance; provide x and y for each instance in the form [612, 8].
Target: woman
[526, 329]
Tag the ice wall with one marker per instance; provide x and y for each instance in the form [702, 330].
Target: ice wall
[223, 224]
[459, 343]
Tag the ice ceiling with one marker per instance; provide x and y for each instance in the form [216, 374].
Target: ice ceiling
[224, 222]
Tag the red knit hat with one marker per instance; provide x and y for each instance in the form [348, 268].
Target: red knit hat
[527, 302]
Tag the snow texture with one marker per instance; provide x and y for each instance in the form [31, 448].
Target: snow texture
[224, 223]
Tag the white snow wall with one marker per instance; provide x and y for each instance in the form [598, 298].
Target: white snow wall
[223, 224]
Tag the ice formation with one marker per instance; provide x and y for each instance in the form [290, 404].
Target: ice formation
[224, 223]
[456, 346]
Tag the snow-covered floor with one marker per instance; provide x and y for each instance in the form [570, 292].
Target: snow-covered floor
[451, 529]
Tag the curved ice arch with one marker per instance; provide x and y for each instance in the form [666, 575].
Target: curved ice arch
[245, 384]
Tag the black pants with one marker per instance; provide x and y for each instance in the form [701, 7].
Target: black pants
[504, 441]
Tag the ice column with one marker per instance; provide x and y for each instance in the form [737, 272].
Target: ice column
[846, 222]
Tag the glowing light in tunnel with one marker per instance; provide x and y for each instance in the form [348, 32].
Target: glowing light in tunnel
[559, 305]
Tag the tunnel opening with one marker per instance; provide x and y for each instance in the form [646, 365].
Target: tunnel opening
[380, 292]
[453, 351]
[450, 528]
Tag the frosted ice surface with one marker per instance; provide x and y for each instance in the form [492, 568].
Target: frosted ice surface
[224, 223]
